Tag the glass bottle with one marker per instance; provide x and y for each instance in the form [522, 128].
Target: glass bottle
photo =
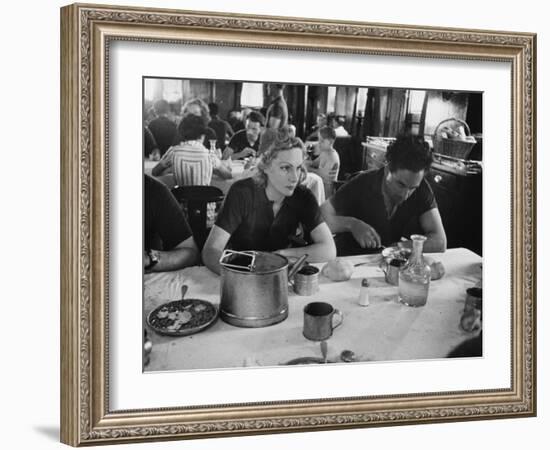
[215, 151]
[414, 276]
[212, 145]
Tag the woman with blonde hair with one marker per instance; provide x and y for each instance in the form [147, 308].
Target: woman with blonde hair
[265, 212]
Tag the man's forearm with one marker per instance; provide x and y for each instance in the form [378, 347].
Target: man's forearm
[341, 224]
[159, 169]
[211, 259]
[237, 155]
[435, 244]
[222, 172]
[175, 259]
[318, 252]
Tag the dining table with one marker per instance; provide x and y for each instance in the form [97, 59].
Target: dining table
[385, 330]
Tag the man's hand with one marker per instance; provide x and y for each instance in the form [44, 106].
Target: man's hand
[365, 235]
[405, 243]
[245, 152]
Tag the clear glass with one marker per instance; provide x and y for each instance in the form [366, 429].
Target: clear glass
[414, 276]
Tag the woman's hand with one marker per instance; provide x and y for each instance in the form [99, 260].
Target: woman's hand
[213, 248]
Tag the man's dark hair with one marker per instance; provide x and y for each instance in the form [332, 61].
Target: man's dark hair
[255, 116]
[409, 152]
[161, 107]
[213, 108]
[327, 133]
[192, 127]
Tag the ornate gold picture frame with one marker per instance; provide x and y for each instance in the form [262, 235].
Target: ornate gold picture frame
[87, 31]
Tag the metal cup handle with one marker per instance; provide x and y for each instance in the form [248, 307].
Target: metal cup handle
[297, 266]
[339, 314]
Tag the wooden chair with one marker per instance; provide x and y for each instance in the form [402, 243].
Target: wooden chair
[339, 183]
[195, 200]
[350, 151]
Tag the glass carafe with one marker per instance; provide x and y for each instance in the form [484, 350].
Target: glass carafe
[414, 277]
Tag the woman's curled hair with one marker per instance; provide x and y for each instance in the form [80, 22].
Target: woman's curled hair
[279, 140]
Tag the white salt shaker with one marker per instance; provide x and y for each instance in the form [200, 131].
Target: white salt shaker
[364, 293]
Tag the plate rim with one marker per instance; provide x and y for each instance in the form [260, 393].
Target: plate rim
[185, 332]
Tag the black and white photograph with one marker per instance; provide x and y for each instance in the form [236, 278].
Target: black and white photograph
[292, 224]
[284, 225]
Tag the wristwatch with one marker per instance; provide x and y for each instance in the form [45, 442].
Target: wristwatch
[154, 258]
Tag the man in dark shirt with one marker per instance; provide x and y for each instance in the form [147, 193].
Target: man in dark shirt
[245, 143]
[168, 241]
[235, 120]
[163, 129]
[385, 206]
[222, 128]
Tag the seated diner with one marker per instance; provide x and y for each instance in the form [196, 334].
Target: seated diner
[168, 241]
[384, 207]
[265, 212]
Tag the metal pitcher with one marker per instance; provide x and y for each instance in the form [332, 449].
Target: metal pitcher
[254, 287]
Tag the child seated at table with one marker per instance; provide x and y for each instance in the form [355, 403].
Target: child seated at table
[327, 165]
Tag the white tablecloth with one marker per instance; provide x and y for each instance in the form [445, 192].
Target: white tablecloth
[385, 330]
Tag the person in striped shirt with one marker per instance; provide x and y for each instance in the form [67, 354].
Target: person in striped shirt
[191, 161]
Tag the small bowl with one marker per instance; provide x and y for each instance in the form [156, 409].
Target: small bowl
[390, 253]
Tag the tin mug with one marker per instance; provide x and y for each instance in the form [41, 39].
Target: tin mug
[306, 280]
[472, 314]
[319, 321]
[391, 270]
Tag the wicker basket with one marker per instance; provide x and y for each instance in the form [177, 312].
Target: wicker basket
[452, 147]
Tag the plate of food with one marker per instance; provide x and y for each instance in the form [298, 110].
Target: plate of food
[182, 317]
[396, 252]
[390, 254]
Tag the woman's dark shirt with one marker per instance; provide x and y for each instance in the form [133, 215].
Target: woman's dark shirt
[247, 215]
